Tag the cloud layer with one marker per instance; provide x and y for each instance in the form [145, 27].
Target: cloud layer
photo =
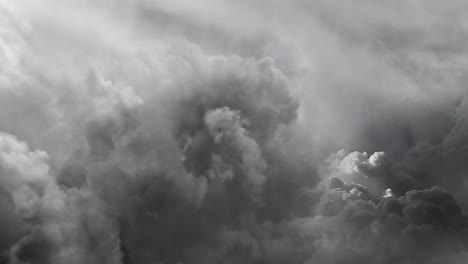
[162, 131]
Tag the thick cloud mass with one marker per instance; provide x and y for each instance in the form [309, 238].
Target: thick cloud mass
[175, 132]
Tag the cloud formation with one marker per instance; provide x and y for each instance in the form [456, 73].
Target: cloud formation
[250, 132]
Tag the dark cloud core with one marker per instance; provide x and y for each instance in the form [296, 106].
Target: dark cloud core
[262, 132]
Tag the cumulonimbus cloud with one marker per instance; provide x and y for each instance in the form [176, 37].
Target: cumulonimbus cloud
[218, 132]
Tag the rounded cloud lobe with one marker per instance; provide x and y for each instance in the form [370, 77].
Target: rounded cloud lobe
[161, 132]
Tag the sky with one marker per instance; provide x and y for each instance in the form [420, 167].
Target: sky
[263, 132]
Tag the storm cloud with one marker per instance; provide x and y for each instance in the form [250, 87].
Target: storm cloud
[156, 131]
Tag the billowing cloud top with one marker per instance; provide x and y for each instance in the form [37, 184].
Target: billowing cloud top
[159, 131]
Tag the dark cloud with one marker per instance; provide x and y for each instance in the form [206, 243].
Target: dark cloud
[421, 226]
[248, 132]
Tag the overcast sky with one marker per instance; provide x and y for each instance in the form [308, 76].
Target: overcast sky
[207, 132]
